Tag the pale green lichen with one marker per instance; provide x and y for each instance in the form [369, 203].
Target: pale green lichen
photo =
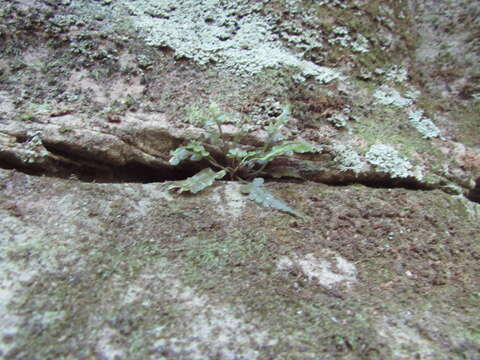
[386, 159]
[472, 209]
[397, 74]
[339, 120]
[360, 45]
[232, 36]
[339, 3]
[343, 38]
[412, 93]
[33, 150]
[301, 38]
[386, 95]
[347, 158]
[424, 125]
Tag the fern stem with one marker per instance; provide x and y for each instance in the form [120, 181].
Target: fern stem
[216, 164]
[259, 171]
[222, 136]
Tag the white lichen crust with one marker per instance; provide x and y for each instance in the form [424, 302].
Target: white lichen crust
[228, 35]
[424, 125]
[348, 158]
[386, 159]
[386, 95]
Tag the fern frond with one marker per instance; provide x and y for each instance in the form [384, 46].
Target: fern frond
[286, 148]
[273, 130]
[257, 193]
[198, 182]
[193, 151]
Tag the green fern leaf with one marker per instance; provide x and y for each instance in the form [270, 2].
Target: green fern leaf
[257, 193]
[193, 150]
[273, 130]
[287, 148]
[198, 182]
[237, 153]
[179, 155]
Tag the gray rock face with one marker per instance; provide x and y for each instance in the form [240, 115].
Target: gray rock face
[449, 43]
[131, 271]
[98, 259]
[103, 110]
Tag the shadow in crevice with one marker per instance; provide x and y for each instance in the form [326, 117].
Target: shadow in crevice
[372, 180]
[474, 194]
[86, 169]
[133, 172]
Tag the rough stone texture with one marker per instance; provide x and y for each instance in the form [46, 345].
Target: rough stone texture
[131, 272]
[105, 100]
[449, 39]
[102, 91]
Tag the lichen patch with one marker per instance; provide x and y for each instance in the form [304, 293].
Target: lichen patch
[230, 200]
[108, 346]
[326, 268]
[405, 340]
[6, 103]
[233, 37]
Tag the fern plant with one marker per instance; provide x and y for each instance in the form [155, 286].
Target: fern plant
[238, 162]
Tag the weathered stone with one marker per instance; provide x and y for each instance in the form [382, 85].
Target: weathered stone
[131, 271]
[103, 91]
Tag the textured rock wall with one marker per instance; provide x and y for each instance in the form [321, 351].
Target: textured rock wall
[385, 91]
[131, 271]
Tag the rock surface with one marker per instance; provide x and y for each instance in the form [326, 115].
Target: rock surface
[131, 271]
[100, 260]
